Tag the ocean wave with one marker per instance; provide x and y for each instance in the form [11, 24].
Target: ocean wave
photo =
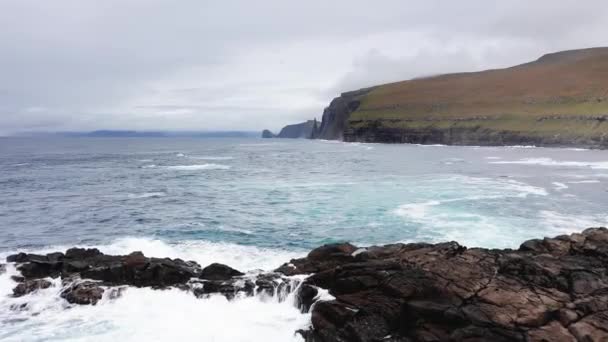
[559, 186]
[147, 195]
[585, 181]
[603, 165]
[212, 158]
[566, 224]
[149, 166]
[199, 167]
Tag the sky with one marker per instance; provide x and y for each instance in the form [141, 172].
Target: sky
[76, 65]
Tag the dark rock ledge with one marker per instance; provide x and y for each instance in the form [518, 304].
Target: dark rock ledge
[548, 290]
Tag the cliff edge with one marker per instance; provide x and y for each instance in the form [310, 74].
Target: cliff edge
[561, 99]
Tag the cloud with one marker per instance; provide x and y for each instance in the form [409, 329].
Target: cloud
[158, 64]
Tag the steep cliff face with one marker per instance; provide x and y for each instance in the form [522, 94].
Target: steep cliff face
[335, 116]
[561, 99]
[301, 130]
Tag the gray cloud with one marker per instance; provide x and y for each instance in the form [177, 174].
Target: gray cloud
[160, 64]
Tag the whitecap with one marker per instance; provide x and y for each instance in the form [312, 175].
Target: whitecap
[585, 181]
[147, 195]
[149, 166]
[199, 167]
[213, 158]
[559, 186]
[566, 224]
[550, 162]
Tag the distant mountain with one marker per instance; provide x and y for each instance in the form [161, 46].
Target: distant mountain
[561, 99]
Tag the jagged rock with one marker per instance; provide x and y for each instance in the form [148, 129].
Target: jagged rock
[133, 269]
[29, 286]
[227, 288]
[306, 297]
[83, 292]
[548, 290]
[2, 269]
[217, 271]
[319, 259]
[554, 289]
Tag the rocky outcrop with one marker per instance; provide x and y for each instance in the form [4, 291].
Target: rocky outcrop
[302, 130]
[87, 274]
[335, 116]
[548, 290]
[267, 134]
[552, 289]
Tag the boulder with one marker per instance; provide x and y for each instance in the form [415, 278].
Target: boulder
[83, 292]
[29, 286]
[217, 271]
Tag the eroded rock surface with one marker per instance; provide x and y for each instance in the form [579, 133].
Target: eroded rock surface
[548, 290]
[554, 289]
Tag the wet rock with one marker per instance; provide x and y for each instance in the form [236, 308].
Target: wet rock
[306, 297]
[219, 272]
[553, 289]
[133, 269]
[319, 259]
[83, 292]
[2, 269]
[29, 286]
[227, 288]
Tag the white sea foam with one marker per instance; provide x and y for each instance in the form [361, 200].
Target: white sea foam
[559, 186]
[149, 166]
[212, 158]
[566, 224]
[180, 155]
[147, 195]
[143, 314]
[198, 167]
[452, 216]
[550, 162]
[416, 211]
[585, 181]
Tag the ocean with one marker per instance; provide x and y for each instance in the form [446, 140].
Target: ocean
[254, 204]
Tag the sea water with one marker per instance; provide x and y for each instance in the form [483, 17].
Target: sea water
[254, 204]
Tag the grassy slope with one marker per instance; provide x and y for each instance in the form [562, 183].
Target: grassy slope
[568, 84]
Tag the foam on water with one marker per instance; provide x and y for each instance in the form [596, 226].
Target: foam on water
[143, 314]
[199, 167]
[147, 195]
[559, 186]
[566, 224]
[603, 165]
[213, 158]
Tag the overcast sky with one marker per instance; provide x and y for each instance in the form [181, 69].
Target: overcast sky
[249, 65]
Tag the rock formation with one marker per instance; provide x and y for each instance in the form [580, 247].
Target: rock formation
[267, 134]
[554, 289]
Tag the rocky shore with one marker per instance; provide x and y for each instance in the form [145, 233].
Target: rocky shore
[554, 289]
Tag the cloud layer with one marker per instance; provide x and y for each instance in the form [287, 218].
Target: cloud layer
[160, 64]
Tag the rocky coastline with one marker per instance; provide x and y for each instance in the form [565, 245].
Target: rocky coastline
[551, 289]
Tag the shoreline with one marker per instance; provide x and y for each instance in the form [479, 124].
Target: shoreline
[549, 289]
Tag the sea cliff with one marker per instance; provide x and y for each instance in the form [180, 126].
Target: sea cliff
[561, 99]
